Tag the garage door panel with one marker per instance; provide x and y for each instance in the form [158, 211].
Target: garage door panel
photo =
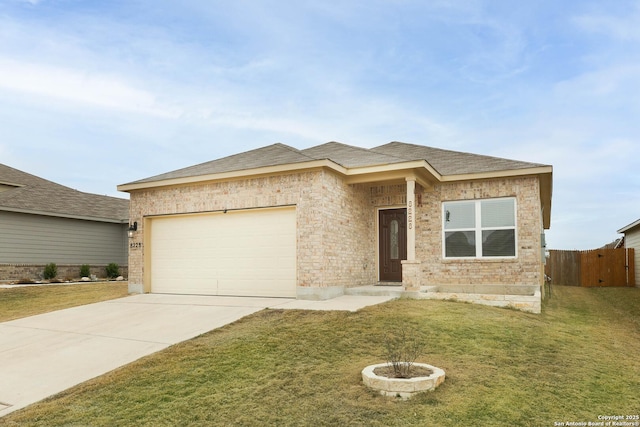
[237, 253]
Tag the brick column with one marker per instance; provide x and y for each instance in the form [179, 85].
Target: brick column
[411, 219]
[411, 274]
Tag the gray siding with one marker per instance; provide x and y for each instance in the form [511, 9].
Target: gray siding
[39, 239]
[632, 240]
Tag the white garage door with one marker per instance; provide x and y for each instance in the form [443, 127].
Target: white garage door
[251, 252]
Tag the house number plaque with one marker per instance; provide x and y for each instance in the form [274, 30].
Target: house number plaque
[135, 245]
[410, 214]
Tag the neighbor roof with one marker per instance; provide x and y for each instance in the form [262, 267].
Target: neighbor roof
[444, 162]
[23, 192]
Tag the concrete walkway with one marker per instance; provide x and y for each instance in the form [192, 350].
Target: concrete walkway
[45, 354]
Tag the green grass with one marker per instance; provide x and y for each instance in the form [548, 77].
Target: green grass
[577, 360]
[23, 301]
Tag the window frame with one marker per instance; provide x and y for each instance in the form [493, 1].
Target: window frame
[478, 229]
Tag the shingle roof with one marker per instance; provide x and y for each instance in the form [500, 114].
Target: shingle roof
[351, 157]
[272, 155]
[28, 193]
[445, 162]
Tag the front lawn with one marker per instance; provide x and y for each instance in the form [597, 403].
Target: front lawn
[574, 362]
[22, 301]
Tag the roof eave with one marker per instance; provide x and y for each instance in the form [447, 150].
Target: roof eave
[507, 173]
[61, 215]
[544, 173]
[267, 170]
[420, 170]
[629, 227]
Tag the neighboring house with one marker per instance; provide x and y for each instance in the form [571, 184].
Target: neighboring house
[43, 222]
[631, 239]
[312, 223]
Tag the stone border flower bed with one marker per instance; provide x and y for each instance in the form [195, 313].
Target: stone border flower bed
[402, 387]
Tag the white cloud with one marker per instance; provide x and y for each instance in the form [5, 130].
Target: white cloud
[78, 87]
[625, 28]
[620, 78]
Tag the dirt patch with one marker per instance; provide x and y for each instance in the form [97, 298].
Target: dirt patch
[415, 372]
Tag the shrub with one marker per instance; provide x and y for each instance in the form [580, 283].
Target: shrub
[50, 271]
[85, 271]
[401, 352]
[113, 270]
[25, 281]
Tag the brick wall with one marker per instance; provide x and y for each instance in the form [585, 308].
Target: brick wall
[313, 193]
[388, 195]
[524, 270]
[349, 234]
[336, 225]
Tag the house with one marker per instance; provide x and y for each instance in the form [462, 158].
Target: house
[315, 223]
[631, 239]
[43, 222]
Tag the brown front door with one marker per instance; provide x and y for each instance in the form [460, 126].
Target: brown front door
[393, 243]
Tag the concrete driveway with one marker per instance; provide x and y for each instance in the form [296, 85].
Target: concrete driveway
[45, 354]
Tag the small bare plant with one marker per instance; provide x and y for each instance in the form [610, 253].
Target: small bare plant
[402, 349]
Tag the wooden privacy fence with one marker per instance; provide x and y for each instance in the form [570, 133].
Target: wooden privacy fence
[598, 267]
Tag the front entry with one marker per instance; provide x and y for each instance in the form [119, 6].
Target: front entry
[393, 243]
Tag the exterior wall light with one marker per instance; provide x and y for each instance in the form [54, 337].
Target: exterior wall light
[133, 227]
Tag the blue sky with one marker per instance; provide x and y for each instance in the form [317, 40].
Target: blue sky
[99, 93]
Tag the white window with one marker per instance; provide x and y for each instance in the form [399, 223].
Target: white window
[479, 228]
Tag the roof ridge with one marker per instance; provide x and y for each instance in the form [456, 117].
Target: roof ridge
[43, 182]
[294, 150]
[340, 144]
[36, 178]
[375, 150]
[407, 158]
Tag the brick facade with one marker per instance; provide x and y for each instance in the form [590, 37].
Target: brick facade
[525, 269]
[337, 226]
[348, 242]
[336, 222]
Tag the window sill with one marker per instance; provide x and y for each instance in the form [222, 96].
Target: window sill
[480, 260]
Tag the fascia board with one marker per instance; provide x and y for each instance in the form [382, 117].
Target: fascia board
[394, 171]
[354, 175]
[629, 227]
[498, 174]
[546, 192]
[417, 164]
